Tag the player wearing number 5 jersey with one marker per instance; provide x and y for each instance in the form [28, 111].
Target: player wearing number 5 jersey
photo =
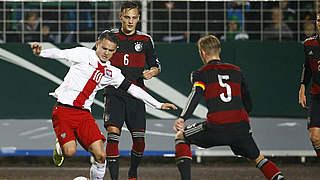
[90, 71]
[135, 52]
[228, 102]
[311, 72]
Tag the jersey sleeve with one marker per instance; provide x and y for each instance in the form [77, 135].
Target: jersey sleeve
[197, 91]
[245, 94]
[197, 80]
[73, 55]
[151, 57]
[144, 96]
[306, 70]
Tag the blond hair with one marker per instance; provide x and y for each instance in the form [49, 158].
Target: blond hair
[209, 44]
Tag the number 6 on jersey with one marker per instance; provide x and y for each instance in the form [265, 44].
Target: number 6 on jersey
[126, 59]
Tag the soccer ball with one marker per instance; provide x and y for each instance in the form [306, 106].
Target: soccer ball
[80, 178]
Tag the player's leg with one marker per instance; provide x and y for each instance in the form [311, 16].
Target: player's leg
[67, 150]
[314, 123]
[193, 134]
[245, 146]
[91, 139]
[183, 156]
[114, 115]
[268, 168]
[65, 145]
[315, 139]
[136, 123]
[98, 168]
[112, 150]
[138, 146]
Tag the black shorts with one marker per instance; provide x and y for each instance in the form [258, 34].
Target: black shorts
[314, 112]
[237, 136]
[120, 108]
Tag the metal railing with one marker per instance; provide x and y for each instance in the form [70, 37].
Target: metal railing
[165, 21]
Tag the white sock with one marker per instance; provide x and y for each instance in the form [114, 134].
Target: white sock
[97, 170]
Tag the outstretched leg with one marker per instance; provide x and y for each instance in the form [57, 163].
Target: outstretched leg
[268, 168]
[183, 156]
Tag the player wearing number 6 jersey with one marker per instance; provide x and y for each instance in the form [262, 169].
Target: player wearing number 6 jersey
[90, 71]
[135, 52]
[228, 102]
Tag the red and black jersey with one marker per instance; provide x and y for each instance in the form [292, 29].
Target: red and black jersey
[134, 53]
[311, 66]
[225, 90]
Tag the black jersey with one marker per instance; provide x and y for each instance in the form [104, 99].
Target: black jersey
[311, 66]
[134, 53]
[226, 93]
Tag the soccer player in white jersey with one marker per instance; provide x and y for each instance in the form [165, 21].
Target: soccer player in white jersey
[90, 71]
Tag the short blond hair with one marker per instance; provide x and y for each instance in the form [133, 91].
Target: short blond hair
[209, 44]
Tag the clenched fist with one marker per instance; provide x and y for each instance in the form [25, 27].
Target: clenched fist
[36, 48]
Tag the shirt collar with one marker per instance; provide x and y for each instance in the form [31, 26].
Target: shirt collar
[214, 61]
[123, 34]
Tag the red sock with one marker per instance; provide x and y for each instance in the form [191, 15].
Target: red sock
[268, 168]
[112, 149]
[183, 150]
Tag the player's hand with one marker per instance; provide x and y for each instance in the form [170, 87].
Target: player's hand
[148, 74]
[178, 125]
[168, 106]
[36, 48]
[302, 97]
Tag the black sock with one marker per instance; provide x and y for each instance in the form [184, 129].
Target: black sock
[134, 163]
[184, 166]
[113, 165]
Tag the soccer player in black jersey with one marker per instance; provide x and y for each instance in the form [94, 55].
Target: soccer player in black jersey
[228, 102]
[135, 50]
[311, 71]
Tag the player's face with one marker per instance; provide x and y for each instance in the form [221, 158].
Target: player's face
[129, 19]
[105, 49]
[318, 22]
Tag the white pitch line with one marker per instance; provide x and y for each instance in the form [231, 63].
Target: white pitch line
[41, 135]
[154, 133]
[33, 131]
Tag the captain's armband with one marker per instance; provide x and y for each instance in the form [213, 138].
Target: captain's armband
[199, 84]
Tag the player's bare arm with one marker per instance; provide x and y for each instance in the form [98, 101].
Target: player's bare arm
[178, 125]
[148, 74]
[36, 48]
[302, 96]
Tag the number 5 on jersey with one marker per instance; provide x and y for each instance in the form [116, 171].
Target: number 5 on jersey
[223, 97]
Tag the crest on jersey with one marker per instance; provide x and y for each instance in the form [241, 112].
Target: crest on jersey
[63, 135]
[108, 72]
[138, 46]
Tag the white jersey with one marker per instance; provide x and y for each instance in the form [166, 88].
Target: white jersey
[86, 76]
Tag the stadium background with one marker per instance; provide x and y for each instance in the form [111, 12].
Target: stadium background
[272, 68]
